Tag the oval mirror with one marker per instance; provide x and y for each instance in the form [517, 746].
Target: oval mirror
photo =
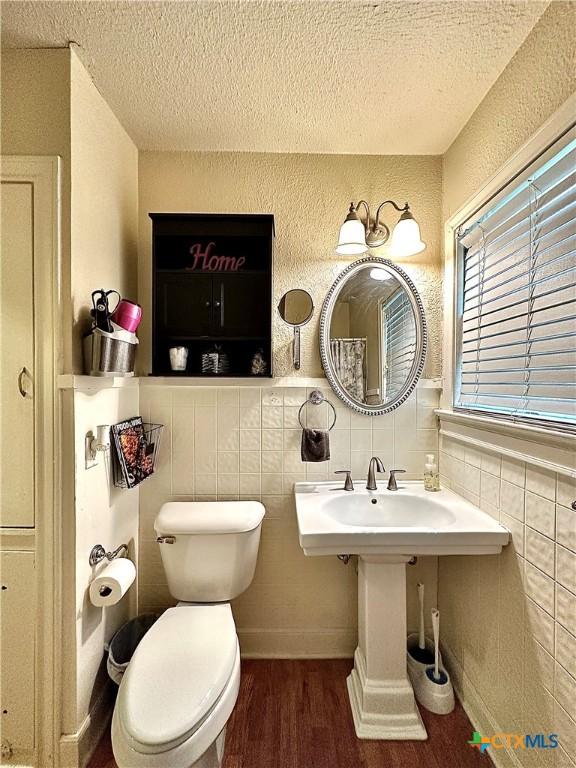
[373, 336]
[296, 307]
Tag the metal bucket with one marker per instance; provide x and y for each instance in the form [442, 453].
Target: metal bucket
[110, 354]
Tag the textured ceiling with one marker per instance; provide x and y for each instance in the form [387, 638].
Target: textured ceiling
[278, 76]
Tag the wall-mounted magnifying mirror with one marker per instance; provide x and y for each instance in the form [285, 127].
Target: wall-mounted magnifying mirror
[373, 336]
[296, 308]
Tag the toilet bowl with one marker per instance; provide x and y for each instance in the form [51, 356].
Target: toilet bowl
[179, 689]
[181, 685]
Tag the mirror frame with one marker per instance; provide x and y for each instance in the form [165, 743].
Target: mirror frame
[421, 336]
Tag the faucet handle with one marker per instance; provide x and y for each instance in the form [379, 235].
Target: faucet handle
[348, 484]
[392, 485]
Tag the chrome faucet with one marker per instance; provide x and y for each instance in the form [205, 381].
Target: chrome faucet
[371, 481]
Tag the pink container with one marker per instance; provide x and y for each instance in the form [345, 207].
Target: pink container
[127, 315]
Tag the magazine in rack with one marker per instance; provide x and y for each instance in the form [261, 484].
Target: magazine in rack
[133, 451]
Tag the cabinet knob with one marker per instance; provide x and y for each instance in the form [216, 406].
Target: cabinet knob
[207, 303]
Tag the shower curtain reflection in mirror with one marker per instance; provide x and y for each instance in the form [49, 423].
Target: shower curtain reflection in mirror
[349, 357]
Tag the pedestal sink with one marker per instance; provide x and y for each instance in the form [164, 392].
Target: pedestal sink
[386, 529]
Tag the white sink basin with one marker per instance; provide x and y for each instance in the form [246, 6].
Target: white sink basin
[388, 510]
[409, 521]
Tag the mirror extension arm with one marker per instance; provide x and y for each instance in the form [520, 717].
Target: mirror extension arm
[296, 348]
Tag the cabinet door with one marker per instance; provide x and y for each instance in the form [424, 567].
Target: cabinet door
[241, 305]
[18, 604]
[17, 357]
[184, 305]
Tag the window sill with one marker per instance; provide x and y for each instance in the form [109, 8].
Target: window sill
[549, 448]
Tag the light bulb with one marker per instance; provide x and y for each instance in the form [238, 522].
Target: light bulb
[382, 275]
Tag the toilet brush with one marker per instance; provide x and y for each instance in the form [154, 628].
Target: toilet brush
[434, 689]
[439, 676]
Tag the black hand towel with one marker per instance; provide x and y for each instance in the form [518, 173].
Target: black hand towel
[315, 445]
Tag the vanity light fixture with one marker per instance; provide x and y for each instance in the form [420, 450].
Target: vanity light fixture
[381, 275]
[358, 234]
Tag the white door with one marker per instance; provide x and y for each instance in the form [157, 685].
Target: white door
[18, 604]
[29, 501]
[17, 356]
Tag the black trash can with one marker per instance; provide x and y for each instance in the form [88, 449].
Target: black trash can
[125, 642]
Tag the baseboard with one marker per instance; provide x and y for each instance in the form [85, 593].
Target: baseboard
[23, 758]
[76, 749]
[297, 643]
[478, 713]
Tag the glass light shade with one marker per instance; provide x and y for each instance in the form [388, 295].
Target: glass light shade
[382, 275]
[352, 240]
[406, 240]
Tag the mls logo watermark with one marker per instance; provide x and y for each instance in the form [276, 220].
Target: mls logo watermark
[514, 741]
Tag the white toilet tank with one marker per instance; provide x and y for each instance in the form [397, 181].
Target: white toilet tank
[209, 548]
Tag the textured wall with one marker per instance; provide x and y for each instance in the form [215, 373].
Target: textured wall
[104, 205]
[536, 82]
[243, 443]
[36, 121]
[309, 197]
[104, 202]
[50, 106]
[513, 652]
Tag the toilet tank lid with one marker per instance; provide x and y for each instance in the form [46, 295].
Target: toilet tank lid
[201, 517]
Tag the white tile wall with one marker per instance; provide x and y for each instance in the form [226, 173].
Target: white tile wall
[530, 639]
[244, 442]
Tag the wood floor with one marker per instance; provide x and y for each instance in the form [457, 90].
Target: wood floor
[295, 714]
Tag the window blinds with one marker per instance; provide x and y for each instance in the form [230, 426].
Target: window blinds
[516, 323]
[399, 347]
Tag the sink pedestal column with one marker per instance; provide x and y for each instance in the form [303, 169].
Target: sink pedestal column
[381, 696]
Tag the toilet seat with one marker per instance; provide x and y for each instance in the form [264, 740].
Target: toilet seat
[180, 687]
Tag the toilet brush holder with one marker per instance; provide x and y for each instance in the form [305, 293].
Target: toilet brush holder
[436, 695]
[433, 688]
[417, 658]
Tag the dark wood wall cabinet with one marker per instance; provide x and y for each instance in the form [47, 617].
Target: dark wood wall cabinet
[212, 283]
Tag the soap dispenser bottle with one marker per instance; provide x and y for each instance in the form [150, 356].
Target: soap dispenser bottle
[431, 474]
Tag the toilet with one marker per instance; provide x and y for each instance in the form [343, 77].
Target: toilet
[182, 683]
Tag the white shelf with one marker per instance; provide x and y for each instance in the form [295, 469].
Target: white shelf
[229, 381]
[95, 383]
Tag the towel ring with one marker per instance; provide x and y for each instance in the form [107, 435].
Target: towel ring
[316, 398]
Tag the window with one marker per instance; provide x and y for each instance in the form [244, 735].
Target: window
[516, 305]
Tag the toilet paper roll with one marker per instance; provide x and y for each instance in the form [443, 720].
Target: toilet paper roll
[112, 583]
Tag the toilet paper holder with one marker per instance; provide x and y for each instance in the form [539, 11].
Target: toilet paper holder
[98, 553]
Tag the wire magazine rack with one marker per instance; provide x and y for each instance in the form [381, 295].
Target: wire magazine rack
[145, 454]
